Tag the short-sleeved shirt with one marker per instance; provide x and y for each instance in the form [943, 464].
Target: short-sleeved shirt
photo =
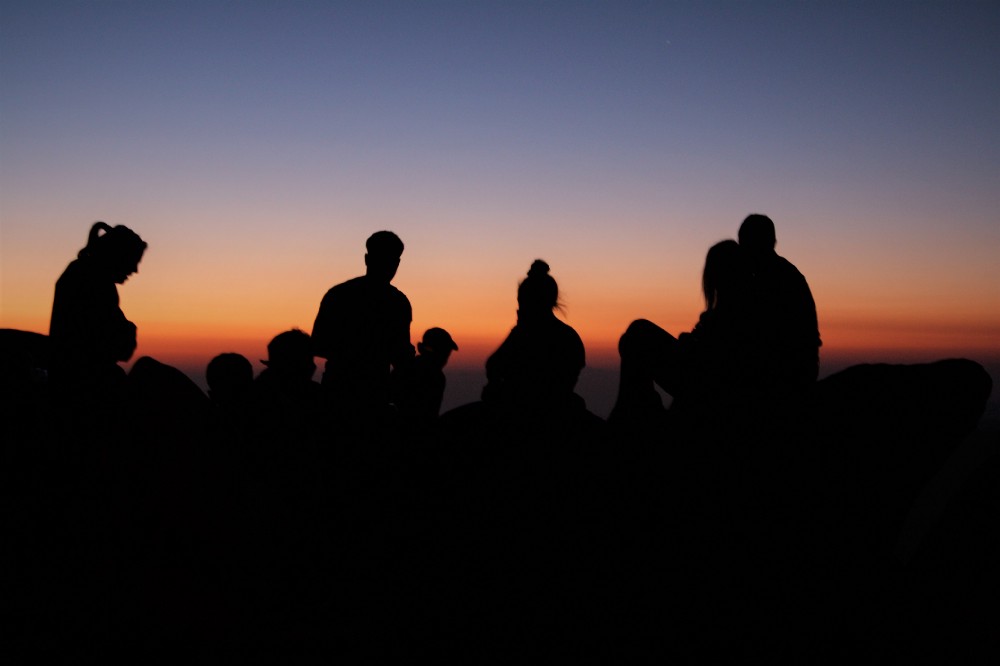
[363, 330]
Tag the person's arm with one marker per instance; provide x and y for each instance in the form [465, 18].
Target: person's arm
[125, 340]
[324, 327]
[498, 363]
[401, 351]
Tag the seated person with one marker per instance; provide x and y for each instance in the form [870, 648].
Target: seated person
[713, 366]
[420, 390]
[536, 368]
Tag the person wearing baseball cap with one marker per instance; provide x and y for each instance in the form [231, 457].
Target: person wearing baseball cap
[419, 390]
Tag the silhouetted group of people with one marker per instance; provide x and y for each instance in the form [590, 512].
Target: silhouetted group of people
[756, 515]
[753, 352]
[755, 345]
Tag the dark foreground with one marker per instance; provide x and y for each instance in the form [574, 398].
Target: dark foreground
[165, 535]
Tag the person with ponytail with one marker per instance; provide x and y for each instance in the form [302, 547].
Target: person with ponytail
[88, 333]
[537, 366]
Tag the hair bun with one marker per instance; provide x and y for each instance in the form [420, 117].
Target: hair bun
[538, 268]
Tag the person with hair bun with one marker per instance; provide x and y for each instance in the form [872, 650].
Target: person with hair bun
[537, 366]
[88, 333]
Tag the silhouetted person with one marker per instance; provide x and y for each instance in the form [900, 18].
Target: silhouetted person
[363, 331]
[710, 369]
[162, 400]
[536, 368]
[230, 382]
[420, 390]
[285, 400]
[229, 376]
[785, 307]
[89, 335]
[289, 368]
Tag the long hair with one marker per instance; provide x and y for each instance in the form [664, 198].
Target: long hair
[725, 273]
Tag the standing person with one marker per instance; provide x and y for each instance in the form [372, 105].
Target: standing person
[363, 331]
[89, 334]
[536, 368]
[785, 307]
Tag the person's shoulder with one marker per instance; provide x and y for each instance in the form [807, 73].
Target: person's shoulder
[786, 267]
[354, 283]
[80, 274]
[567, 332]
[76, 269]
[344, 288]
[567, 329]
[398, 297]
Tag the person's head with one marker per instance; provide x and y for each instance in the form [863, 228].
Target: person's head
[726, 273]
[538, 293]
[229, 376]
[757, 234]
[290, 354]
[436, 346]
[118, 250]
[384, 249]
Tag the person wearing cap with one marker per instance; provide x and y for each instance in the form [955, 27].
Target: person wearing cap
[363, 331]
[285, 398]
[419, 391]
[289, 358]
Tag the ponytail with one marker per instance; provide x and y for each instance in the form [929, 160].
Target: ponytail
[93, 238]
[115, 240]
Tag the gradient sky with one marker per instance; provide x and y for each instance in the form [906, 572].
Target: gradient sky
[256, 145]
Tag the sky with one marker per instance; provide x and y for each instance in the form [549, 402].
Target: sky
[256, 145]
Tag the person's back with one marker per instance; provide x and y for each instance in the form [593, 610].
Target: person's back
[538, 365]
[785, 309]
[540, 359]
[363, 330]
[719, 359]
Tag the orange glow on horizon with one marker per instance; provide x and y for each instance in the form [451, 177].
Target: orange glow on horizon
[478, 337]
